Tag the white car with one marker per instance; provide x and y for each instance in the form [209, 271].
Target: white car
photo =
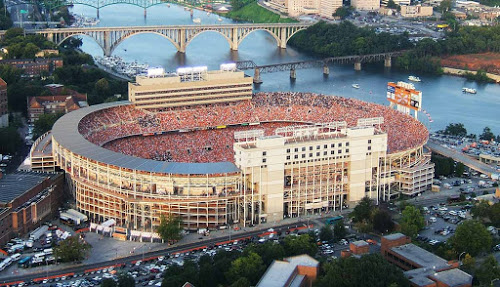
[443, 208]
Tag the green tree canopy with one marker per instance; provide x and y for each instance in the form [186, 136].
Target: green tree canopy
[10, 140]
[382, 221]
[71, 249]
[44, 124]
[326, 233]
[108, 282]
[455, 129]
[170, 227]
[488, 271]
[342, 12]
[363, 210]
[125, 280]
[487, 134]
[471, 237]
[339, 231]
[250, 267]
[268, 251]
[302, 244]
[369, 270]
[412, 221]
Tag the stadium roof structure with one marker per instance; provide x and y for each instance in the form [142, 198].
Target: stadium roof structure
[65, 132]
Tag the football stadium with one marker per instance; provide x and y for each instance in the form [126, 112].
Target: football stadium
[198, 144]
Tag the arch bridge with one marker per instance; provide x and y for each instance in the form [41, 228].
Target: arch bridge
[179, 35]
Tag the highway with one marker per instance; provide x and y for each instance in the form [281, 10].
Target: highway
[124, 260]
[461, 157]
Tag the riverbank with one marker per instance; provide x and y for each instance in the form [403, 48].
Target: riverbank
[256, 14]
[461, 73]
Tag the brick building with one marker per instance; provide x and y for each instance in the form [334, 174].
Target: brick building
[62, 100]
[34, 67]
[4, 112]
[422, 268]
[26, 199]
[300, 271]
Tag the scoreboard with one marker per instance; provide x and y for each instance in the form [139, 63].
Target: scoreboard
[404, 94]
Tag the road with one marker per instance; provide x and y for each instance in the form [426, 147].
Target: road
[125, 260]
[459, 156]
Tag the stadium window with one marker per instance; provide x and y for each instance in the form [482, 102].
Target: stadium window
[287, 157]
[264, 153]
[287, 150]
[318, 147]
[332, 152]
[346, 150]
[369, 141]
[296, 149]
[347, 144]
[264, 160]
[325, 152]
[332, 145]
[325, 146]
[310, 148]
[303, 155]
[296, 156]
[310, 154]
[317, 154]
[339, 151]
[369, 148]
[340, 144]
[303, 148]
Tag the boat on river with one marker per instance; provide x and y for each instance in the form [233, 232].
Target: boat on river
[197, 20]
[356, 86]
[469, 91]
[414, 79]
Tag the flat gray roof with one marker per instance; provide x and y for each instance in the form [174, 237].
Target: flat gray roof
[420, 256]
[65, 132]
[421, 281]
[277, 275]
[16, 184]
[360, 243]
[394, 236]
[453, 277]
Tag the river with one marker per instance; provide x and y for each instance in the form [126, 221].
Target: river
[442, 95]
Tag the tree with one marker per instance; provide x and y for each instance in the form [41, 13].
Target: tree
[457, 129]
[102, 88]
[10, 140]
[326, 233]
[472, 237]
[30, 50]
[268, 251]
[382, 221]
[487, 134]
[342, 12]
[445, 6]
[242, 282]
[481, 210]
[369, 270]
[71, 249]
[108, 282]
[250, 267]
[468, 263]
[302, 244]
[488, 271]
[44, 123]
[412, 221]
[391, 4]
[125, 280]
[363, 211]
[339, 231]
[170, 227]
[459, 169]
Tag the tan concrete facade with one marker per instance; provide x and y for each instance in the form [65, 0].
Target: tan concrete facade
[295, 8]
[175, 90]
[369, 5]
[416, 11]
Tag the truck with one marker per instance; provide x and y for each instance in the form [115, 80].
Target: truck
[37, 233]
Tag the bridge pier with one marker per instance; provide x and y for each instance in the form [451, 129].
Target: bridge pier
[282, 42]
[182, 41]
[357, 66]
[145, 12]
[234, 39]
[293, 74]
[388, 62]
[107, 45]
[326, 70]
[256, 76]
[97, 13]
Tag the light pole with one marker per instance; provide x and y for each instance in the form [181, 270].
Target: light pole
[459, 256]
[493, 281]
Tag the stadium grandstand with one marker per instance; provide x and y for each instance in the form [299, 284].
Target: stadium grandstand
[272, 156]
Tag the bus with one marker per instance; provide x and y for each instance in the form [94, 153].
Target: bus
[333, 220]
[24, 262]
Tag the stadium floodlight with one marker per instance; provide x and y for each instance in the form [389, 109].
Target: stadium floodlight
[156, 72]
[228, 67]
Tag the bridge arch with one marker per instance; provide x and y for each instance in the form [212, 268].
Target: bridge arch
[82, 34]
[114, 45]
[229, 41]
[295, 32]
[278, 40]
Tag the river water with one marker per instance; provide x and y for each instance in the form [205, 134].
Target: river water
[442, 95]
